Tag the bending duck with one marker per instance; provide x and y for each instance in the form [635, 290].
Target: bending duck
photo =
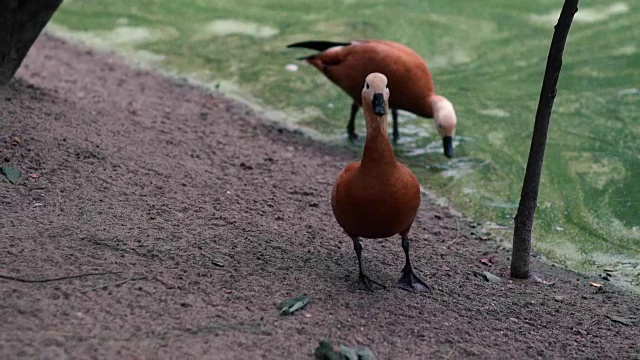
[377, 197]
[347, 65]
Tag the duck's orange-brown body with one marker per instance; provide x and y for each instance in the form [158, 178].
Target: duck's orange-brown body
[375, 203]
[409, 78]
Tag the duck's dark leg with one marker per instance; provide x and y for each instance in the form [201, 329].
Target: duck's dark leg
[351, 126]
[396, 133]
[366, 281]
[409, 280]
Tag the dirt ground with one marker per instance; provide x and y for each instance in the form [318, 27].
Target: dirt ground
[208, 216]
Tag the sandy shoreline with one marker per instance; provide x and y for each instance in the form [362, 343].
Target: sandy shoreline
[164, 183]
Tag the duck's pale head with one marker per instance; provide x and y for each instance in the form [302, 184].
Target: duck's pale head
[445, 118]
[376, 93]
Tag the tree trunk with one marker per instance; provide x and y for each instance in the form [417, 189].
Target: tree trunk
[21, 21]
[529, 195]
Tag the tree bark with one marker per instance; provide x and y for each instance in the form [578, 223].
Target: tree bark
[21, 21]
[530, 186]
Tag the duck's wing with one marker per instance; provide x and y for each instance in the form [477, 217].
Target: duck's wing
[343, 179]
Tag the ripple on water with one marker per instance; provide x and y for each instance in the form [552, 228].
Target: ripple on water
[123, 35]
[596, 172]
[459, 168]
[495, 112]
[501, 204]
[226, 27]
[584, 15]
[124, 38]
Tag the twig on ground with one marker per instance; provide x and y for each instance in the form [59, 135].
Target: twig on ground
[457, 234]
[116, 247]
[213, 261]
[251, 328]
[450, 353]
[106, 181]
[164, 283]
[115, 283]
[15, 278]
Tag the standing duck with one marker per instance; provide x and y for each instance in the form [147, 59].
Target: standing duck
[377, 197]
[347, 65]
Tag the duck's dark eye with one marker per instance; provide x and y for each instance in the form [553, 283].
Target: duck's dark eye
[367, 85]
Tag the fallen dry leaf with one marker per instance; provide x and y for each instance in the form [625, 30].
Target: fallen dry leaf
[34, 175]
[621, 320]
[487, 276]
[541, 280]
[487, 261]
[16, 140]
[290, 306]
[595, 284]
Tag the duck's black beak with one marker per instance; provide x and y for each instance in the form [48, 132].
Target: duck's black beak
[378, 104]
[447, 144]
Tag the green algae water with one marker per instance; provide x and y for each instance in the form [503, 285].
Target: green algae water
[487, 57]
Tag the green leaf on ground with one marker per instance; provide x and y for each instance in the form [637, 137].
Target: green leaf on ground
[358, 353]
[621, 320]
[487, 276]
[326, 352]
[292, 305]
[12, 174]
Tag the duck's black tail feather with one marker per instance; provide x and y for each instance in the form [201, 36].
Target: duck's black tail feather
[309, 57]
[317, 45]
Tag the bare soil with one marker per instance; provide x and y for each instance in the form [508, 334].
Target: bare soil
[208, 216]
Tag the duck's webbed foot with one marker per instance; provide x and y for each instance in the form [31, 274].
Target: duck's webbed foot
[409, 280]
[368, 283]
[362, 278]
